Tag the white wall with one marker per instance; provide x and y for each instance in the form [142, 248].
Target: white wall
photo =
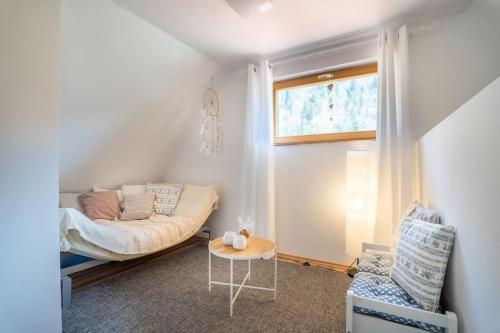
[127, 94]
[447, 68]
[310, 179]
[310, 198]
[131, 96]
[460, 163]
[224, 169]
[451, 65]
[29, 110]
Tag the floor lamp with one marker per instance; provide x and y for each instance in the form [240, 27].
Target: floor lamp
[360, 194]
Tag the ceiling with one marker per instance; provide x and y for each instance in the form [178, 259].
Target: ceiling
[215, 29]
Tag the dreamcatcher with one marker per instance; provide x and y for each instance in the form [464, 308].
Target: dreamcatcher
[210, 127]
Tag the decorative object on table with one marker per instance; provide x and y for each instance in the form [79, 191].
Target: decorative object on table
[360, 208]
[229, 237]
[246, 224]
[210, 127]
[239, 242]
[245, 233]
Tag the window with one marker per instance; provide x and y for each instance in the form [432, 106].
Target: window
[333, 106]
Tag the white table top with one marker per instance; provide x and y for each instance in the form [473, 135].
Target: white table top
[257, 248]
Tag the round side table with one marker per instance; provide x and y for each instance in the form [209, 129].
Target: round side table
[257, 248]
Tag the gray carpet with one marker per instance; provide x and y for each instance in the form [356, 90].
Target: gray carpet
[170, 294]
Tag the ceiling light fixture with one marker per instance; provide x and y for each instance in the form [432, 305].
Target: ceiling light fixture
[266, 5]
[249, 8]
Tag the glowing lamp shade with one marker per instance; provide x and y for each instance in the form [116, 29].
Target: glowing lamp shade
[360, 200]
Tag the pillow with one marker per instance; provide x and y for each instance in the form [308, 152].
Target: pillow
[420, 259]
[99, 189]
[137, 206]
[167, 196]
[133, 189]
[100, 205]
[419, 212]
[69, 200]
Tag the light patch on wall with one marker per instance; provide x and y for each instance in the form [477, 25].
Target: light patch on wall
[360, 205]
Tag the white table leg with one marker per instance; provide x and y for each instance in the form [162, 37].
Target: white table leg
[209, 271]
[231, 289]
[275, 274]
[248, 269]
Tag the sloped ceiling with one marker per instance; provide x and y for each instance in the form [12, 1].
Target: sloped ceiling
[215, 29]
[128, 94]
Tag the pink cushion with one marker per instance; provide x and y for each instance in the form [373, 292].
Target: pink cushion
[100, 205]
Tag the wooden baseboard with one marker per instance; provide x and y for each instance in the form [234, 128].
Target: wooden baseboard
[312, 262]
[98, 273]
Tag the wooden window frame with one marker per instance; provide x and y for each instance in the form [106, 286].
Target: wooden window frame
[339, 74]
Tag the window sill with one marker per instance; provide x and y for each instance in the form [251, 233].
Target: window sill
[317, 138]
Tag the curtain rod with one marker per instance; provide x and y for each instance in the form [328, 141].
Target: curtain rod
[320, 52]
[345, 42]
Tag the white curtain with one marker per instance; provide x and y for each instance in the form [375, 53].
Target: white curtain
[257, 204]
[394, 147]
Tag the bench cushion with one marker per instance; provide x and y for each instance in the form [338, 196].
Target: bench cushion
[383, 288]
[420, 260]
[377, 263]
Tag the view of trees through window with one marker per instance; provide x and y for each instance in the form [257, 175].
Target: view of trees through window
[305, 110]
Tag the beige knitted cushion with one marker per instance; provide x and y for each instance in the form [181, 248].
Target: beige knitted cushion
[137, 206]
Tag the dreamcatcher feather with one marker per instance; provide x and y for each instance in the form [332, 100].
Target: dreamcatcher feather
[210, 128]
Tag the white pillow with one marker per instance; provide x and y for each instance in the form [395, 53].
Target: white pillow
[100, 189]
[167, 196]
[420, 259]
[133, 189]
[419, 212]
[70, 200]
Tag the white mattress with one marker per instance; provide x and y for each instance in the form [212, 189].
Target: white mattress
[122, 240]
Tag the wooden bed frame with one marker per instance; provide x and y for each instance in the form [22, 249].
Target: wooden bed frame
[90, 272]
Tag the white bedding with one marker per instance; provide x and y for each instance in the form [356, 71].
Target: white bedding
[122, 240]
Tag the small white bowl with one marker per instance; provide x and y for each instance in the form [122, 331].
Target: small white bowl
[229, 237]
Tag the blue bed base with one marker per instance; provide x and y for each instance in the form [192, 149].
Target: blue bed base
[70, 259]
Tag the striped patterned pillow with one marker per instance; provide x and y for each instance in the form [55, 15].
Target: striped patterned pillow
[167, 196]
[420, 259]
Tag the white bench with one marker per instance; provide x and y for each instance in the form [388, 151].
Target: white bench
[361, 323]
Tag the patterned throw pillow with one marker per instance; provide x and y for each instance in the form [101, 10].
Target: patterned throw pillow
[419, 212]
[420, 260]
[167, 196]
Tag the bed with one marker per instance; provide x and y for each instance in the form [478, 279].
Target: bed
[122, 240]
